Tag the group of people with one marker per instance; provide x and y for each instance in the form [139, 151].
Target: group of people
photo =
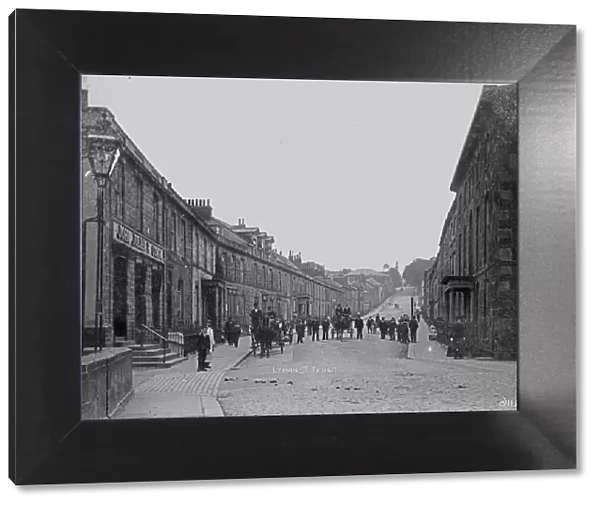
[339, 310]
[404, 329]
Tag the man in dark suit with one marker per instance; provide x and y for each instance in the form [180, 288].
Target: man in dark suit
[256, 317]
[316, 327]
[300, 325]
[413, 325]
[202, 347]
[392, 329]
[325, 325]
[359, 325]
[382, 327]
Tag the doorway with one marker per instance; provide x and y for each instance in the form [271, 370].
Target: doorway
[120, 298]
[140, 295]
[156, 287]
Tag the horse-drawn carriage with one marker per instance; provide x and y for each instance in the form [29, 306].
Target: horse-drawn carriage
[268, 331]
[341, 323]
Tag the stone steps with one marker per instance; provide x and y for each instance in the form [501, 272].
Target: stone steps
[154, 356]
[170, 362]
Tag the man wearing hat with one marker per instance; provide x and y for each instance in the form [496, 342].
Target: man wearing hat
[256, 317]
[359, 324]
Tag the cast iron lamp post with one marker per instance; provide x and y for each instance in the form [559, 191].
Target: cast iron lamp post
[102, 153]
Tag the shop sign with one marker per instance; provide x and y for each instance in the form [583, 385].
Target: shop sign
[136, 242]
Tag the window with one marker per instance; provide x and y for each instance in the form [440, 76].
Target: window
[224, 263]
[181, 250]
[179, 301]
[243, 271]
[235, 267]
[196, 251]
[485, 227]
[272, 281]
[169, 294]
[140, 203]
[255, 274]
[460, 260]
[155, 218]
[205, 253]
[119, 187]
[264, 275]
[476, 238]
[173, 228]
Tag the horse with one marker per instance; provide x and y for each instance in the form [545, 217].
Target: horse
[266, 333]
[264, 341]
[340, 324]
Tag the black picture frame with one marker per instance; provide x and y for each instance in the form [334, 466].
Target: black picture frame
[50, 50]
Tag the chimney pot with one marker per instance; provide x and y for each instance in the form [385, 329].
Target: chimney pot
[208, 202]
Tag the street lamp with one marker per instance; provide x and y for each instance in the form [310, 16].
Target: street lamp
[102, 153]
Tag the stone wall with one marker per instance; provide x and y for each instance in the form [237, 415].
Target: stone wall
[106, 382]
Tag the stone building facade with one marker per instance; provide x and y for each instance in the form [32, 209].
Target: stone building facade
[156, 253]
[249, 270]
[475, 273]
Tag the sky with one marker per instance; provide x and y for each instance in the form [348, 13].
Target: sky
[350, 174]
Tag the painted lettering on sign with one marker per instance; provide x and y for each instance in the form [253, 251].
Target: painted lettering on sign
[137, 242]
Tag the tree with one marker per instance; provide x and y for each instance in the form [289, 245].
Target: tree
[386, 267]
[396, 277]
[413, 272]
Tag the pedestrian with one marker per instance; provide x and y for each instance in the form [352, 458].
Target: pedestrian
[369, 324]
[229, 331]
[392, 329]
[413, 325]
[382, 327]
[300, 330]
[325, 325]
[359, 324]
[377, 323]
[315, 329]
[458, 337]
[403, 331]
[202, 348]
[256, 317]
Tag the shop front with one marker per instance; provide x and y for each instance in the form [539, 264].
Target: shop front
[137, 285]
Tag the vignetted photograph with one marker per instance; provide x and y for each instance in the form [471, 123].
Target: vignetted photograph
[263, 247]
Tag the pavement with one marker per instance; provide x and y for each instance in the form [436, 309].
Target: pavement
[182, 391]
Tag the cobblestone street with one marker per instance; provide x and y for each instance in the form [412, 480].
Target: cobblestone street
[333, 377]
